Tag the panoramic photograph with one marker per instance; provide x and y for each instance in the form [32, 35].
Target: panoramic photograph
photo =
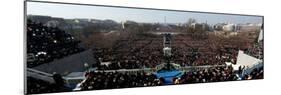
[79, 47]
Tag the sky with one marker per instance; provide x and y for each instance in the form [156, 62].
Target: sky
[70, 11]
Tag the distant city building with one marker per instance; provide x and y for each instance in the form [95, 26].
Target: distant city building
[230, 28]
[76, 21]
[200, 26]
[250, 27]
[219, 26]
[236, 27]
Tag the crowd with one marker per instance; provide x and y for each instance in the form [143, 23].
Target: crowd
[188, 51]
[218, 74]
[110, 80]
[214, 74]
[44, 44]
[140, 53]
[257, 73]
[147, 52]
[36, 86]
[256, 50]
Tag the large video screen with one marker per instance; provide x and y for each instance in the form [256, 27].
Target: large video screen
[80, 47]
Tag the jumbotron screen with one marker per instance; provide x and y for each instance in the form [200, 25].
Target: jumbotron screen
[80, 47]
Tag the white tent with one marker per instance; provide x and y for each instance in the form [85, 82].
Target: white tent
[248, 61]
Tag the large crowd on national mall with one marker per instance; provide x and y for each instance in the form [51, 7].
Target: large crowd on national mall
[140, 52]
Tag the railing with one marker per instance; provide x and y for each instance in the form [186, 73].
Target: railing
[40, 75]
[151, 70]
[193, 68]
[148, 70]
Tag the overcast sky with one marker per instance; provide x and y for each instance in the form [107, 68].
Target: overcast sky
[140, 15]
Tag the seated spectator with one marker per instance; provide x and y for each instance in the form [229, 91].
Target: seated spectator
[44, 44]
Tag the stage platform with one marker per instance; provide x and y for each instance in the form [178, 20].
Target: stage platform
[169, 75]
